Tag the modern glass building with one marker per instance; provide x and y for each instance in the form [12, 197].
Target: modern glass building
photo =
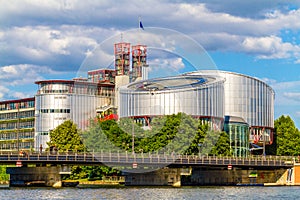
[196, 95]
[238, 131]
[250, 99]
[17, 124]
[126, 91]
[61, 100]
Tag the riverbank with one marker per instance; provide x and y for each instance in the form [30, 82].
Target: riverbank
[108, 181]
[99, 184]
[4, 184]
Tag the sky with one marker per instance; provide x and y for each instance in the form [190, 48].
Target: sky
[56, 39]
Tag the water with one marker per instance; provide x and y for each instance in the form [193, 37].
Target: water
[187, 193]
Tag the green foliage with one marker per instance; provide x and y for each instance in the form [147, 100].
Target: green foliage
[66, 137]
[287, 137]
[222, 146]
[95, 138]
[92, 172]
[177, 133]
[3, 175]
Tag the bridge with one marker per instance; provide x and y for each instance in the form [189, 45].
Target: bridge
[162, 169]
[145, 160]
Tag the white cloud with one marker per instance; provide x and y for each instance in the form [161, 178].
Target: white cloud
[286, 85]
[61, 33]
[165, 67]
[59, 30]
[286, 93]
[292, 95]
[15, 78]
[20, 95]
[14, 75]
[3, 91]
[269, 47]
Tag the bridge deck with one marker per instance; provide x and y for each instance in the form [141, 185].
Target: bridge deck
[118, 159]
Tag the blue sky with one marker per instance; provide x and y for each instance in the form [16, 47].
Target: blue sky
[51, 39]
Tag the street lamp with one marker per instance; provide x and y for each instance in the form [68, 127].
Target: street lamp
[199, 146]
[132, 135]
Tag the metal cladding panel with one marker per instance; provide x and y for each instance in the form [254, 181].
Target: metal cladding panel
[49, 111]
[203, 100]
[54, 109]
[247, 97]
[250, 99]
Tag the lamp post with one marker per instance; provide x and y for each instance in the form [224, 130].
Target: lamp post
[132, 135]
[199, 146]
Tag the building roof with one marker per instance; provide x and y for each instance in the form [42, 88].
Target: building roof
[234, 119]
[17, 100]
[74, 82]
[173, 83]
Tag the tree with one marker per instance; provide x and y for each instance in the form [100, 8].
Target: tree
[288, 137]
[66, 137]
[222, 146]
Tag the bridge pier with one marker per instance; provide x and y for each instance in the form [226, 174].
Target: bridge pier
[235, 176]
[161, 177]
[33, 176]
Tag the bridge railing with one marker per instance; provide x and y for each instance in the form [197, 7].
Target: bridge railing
[152, 154]
[147, 158]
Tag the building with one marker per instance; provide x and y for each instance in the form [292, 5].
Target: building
[250, 99]
[241, 105]
[60, 100]
[244, 103]
[17, 124]
[199, 96]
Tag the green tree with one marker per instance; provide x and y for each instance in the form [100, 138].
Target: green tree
[97, 137]
[222, 146]
[177, 133]
[287, 137]
[66, 137]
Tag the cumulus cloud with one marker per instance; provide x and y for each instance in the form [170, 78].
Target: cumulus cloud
[14, 78]
[60, 34]
[270, 47]
[63, 30]
[165, 67]
[63, 46]
[13, 75]
[286, 93]
[3, 91]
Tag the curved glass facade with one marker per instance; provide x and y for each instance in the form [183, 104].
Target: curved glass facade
[193, 95]
[57, 101]
[252, 100]
[238, 131]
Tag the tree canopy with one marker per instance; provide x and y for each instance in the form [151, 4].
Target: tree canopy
[66, 137]
[177, 133]
[287, 137]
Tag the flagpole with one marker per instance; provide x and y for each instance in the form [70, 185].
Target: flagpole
[139, 25]
[139, 31]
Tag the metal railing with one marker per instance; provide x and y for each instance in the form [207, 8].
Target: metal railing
[125, 158]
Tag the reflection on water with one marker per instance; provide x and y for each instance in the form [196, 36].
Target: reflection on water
[153, 193]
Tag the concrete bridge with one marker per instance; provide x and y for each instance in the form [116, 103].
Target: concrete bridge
[162, 169]
[144, 160]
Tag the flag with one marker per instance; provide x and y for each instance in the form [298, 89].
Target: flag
[141, 25]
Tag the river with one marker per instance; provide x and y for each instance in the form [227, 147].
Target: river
[158, 193]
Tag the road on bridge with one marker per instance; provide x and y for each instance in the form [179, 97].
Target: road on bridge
[146, 160]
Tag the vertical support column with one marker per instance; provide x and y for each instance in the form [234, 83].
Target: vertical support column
[26, 176]
[161, 177]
